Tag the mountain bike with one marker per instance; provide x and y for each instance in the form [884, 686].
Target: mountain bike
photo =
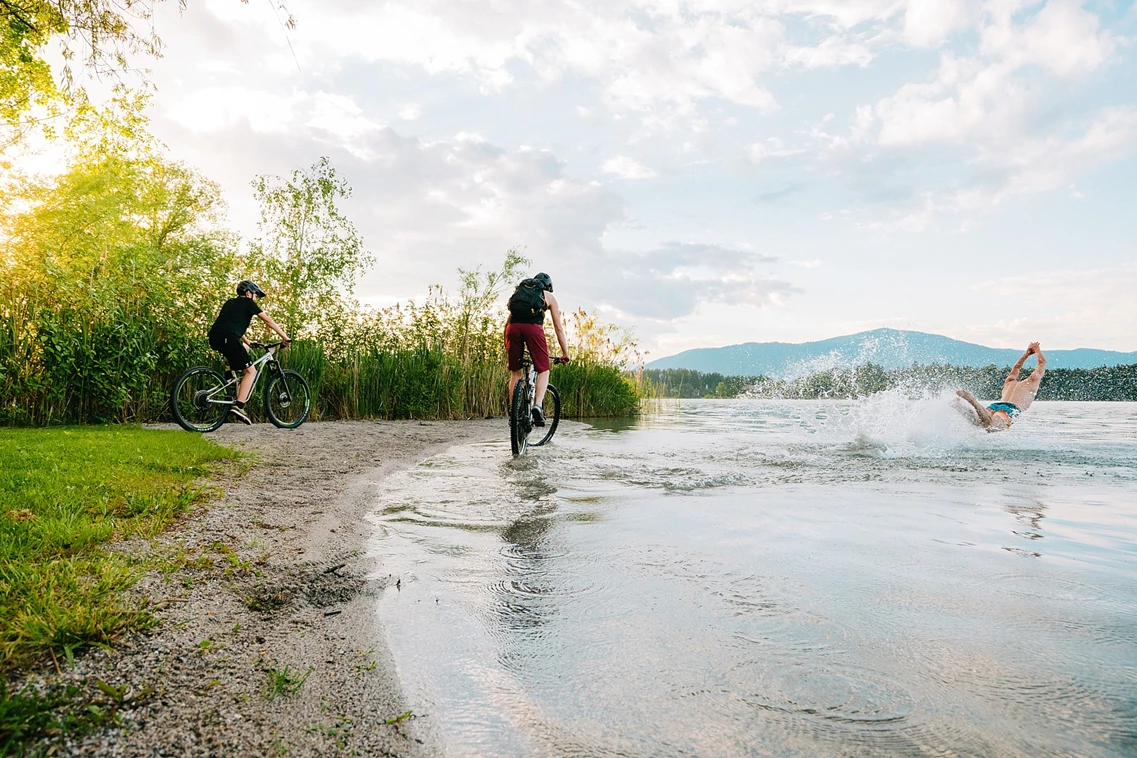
[521, 409]
[202, 397]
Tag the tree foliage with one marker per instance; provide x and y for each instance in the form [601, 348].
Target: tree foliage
[112, 272]
[99, 36]
[309, 251]
[1103, 383]
[102, 271]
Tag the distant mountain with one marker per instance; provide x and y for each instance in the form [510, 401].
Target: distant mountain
[890, 348]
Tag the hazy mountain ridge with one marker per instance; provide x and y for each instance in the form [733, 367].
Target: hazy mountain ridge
[889, 348]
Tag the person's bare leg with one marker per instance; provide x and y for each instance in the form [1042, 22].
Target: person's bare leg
[542, 385]
[246, 385]
[983, 413]
[514, 378]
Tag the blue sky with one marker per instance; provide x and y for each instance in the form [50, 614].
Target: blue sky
[705, 172]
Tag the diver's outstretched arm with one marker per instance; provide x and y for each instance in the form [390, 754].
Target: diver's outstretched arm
[1013, 374]
[983, 413]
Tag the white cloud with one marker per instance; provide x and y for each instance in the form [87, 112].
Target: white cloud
[771, 147]
[1063, 37]
[410, 113]
[832, 52]
[626, 168]
[995, 108]
[673, 281]
[1069, 307]
[213, 109]
[930, 22]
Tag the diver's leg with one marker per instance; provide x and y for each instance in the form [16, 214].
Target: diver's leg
[984, 414]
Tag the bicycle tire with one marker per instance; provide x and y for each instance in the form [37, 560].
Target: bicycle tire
[188, 403]
[551, 419]
[288, 400]
[519, 419]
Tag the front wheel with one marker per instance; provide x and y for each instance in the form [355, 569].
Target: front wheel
[201, 400]
[520, 421]
[287, 400]
[551, 418]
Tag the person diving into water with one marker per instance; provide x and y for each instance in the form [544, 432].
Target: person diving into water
[1016, 398]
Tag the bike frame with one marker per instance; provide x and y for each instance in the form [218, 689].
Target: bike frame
[269, 357]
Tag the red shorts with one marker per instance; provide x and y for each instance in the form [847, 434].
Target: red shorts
[519, 336]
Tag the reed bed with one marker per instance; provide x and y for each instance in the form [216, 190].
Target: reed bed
[112, 273]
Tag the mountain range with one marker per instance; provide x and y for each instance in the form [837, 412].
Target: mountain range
[890, 348]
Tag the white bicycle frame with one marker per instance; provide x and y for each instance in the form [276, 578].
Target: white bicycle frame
[236, 379]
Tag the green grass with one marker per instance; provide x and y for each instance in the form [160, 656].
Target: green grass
[284, 681]
[63, 493]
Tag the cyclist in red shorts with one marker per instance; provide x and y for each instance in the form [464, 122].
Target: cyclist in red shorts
[525, 327]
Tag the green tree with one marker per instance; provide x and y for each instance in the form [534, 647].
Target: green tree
[309, 252]
[107, 274]
[101, 35]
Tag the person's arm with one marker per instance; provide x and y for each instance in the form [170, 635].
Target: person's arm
[505, 332]
[1013, 375]
[558, 327]
[1040, 369]
[274, 326]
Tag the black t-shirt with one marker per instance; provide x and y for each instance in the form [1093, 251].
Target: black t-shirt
[233, 321]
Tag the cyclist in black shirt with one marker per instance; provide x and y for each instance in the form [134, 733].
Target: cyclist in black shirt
[227, 336]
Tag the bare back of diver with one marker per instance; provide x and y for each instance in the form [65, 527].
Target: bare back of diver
[1015, 398]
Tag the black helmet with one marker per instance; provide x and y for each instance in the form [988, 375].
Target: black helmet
[545, 280]
[247, 286]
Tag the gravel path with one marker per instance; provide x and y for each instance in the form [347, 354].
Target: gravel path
[273, 578]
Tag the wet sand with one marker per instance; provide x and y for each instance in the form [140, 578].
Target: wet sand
[274, 575]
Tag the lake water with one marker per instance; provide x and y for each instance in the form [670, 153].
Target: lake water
[775, 578]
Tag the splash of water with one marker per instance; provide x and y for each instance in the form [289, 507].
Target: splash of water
[900, 422]
[880, 348]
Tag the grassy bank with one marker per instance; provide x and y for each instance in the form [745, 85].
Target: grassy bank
[64, 492]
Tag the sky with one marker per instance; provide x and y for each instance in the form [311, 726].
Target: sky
[707, 172]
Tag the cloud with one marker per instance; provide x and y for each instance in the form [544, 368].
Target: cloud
[1067, 307]
[994, 115]
[670, 282]
[626, 168]
[410, 113]
[771, 147]
[929, 22]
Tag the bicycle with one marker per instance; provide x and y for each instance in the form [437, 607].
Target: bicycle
[202, 397]
[521, 408]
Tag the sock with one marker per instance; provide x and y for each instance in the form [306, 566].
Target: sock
[240, 405]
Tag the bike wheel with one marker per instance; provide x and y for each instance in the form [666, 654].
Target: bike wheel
[287, 400]
[551, 419]
[520, 422]
[200, 400]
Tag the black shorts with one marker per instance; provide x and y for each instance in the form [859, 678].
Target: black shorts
[233, 350]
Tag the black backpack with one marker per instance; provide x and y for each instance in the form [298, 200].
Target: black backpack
[527, 303]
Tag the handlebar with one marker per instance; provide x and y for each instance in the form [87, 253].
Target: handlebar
[560, 359]
[264, 345]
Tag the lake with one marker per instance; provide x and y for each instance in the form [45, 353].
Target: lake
[738, 578]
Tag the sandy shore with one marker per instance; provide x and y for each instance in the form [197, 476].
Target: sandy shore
[273, 576]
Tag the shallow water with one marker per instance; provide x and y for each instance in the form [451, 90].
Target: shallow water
[774, 578]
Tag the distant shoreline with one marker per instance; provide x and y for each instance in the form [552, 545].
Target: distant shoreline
[1117, 383]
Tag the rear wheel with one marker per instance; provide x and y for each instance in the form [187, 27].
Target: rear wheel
[287, 400]
[552, 415]
[520, 421]
[200, 400]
